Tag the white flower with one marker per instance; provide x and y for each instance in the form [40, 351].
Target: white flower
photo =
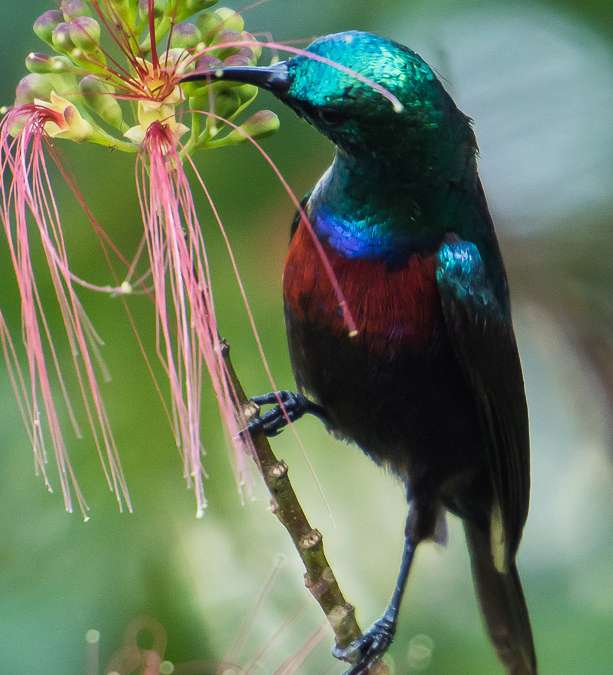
[156, 110]
[68, 122]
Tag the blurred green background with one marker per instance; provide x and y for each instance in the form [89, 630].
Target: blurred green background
[538, 80]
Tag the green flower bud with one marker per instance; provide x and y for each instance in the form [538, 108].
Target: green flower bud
[98, 96]
[246, 92]
[230, 19]
[45, 63]
[72, 9]
[237, 60]
[159, 7]
[199, 88]
[46, 24]
[255, 48]
[226, 104]
[247, 53]
[38, 63]
[194, 6]
[61, 38]
[185, 35]
[224, 36]
[208, 62]
[35, 85]
[263, 123]
[85, 34]
[123, 7]
[208, 23]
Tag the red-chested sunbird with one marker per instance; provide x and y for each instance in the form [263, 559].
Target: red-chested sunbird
[431, 384]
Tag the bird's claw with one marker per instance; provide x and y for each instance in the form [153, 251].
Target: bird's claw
[292, 407]
[371, 645]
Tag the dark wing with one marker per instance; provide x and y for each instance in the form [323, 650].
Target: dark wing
[480, 329]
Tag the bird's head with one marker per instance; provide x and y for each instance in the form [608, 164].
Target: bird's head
[369, 95]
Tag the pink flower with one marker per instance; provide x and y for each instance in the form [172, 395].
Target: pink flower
[28, 195]
[184, 301]
[65, 98]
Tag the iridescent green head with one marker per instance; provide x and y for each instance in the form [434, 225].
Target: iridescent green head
[353, 111]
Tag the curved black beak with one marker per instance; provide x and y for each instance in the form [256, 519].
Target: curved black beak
[275, 79]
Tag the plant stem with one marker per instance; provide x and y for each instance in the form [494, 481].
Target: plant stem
[319, 578]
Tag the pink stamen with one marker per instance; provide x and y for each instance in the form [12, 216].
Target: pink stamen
[29, 191]
[184, 300]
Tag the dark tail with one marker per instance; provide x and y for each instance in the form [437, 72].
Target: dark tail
[502, 605]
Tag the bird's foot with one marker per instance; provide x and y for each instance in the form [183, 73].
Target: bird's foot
[371, 645]
[293, 406]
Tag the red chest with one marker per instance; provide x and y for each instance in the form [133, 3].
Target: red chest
[393, 307]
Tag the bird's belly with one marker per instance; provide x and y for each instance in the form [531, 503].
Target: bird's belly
[395, 388]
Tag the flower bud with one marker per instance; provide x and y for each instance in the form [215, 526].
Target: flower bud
[198, 88]
[72, 9]
[159, 7]
[230, 19]
[98, 96]
[208, 23]
[185, 35]
[208, 62]
[85, 34]
[46, 24]
[253, 45]
[226, 104]
[45, 63]
[223, 37]
[237, 60]
[247, 53]
[123, 7]
[263, 123]
[33, 86]
[194, 6]
[61, 38]
[246, 92]
[38, 63]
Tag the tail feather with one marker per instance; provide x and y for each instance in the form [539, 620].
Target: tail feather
[503, 606]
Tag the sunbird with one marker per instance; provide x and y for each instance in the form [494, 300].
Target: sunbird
[428, 383]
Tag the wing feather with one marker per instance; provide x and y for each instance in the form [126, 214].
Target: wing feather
[480, 329]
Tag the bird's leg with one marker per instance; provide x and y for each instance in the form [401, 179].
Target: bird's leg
[375, 641]
[292, 407]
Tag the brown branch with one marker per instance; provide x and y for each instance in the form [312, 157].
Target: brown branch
[319, 578]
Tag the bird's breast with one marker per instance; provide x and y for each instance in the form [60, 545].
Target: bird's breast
[393, 306]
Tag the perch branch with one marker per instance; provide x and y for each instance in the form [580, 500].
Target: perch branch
[319, 578]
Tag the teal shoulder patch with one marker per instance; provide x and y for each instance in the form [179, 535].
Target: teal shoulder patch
[461, 272]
